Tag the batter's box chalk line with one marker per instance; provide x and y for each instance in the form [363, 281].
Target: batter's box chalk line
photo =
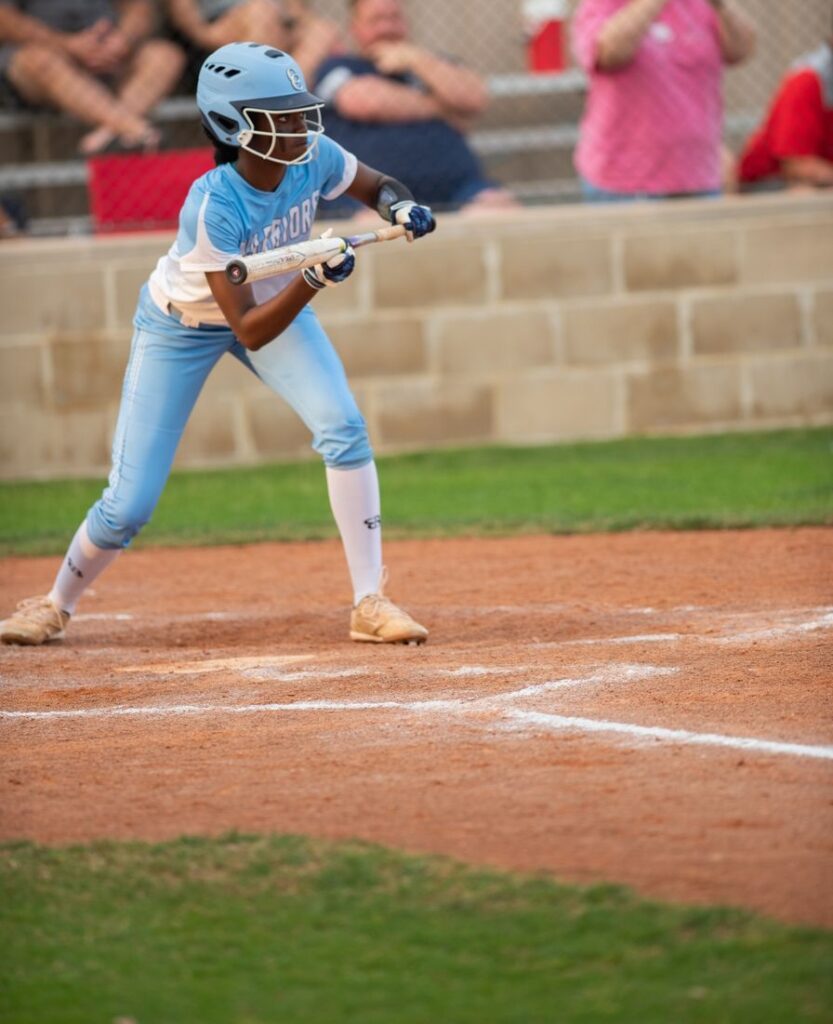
[490, 712]
[822, 620]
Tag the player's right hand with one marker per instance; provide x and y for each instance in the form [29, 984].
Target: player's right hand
[337, 269]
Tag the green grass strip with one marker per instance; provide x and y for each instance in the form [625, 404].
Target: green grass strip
[244, 930]
[782, 478]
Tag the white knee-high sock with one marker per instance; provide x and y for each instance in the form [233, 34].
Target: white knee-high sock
[82, 564]
[354, 499]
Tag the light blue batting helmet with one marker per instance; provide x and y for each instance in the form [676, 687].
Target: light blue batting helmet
[244, 78]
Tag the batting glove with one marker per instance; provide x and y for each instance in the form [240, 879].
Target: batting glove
[334, 271]
[418, 220]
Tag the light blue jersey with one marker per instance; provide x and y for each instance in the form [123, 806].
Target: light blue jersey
[224, 217]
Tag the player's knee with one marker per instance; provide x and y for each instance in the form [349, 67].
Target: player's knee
[344, 445]
[111, 526]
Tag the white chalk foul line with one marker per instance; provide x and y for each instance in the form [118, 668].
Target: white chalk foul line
[614, 674]
[193, 668]
[206, 709]
[644, 638]
[776, 632]
[508, 717]
[563, 723]
[744, 637]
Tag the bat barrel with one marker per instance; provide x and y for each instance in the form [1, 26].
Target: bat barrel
[237, 271]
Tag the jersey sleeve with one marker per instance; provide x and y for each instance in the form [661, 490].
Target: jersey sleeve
[209, 233]
[797, 119]
[337, 168]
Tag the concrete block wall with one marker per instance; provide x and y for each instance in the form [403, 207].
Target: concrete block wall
[541, 326]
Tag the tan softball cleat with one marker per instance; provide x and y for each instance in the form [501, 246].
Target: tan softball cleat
[35, 621]
[377, 620]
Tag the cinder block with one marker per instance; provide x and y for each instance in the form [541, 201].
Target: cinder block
[746, 323]
[801, 386]
[494, 342]
[20, 374]
[684, 259]
[86, 373]
[33, 442]
[276, 430]
[69, 299]
[426, 412]
[620, 332]
[127, 282]
[535, 267]
[453, 273]
[557, 405]
[789, 252]
[210, 433]
[380, 345]
[345, 298]
[823, 317]
[690, 396]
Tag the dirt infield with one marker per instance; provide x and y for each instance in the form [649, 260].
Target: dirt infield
[653, 709]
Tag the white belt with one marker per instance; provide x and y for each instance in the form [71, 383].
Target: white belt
[169, 309]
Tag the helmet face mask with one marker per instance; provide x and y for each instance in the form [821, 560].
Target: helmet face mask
[276, 123]
[253, 97]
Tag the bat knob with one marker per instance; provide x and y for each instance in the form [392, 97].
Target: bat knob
[236, 271]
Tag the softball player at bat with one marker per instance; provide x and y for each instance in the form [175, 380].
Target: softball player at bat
[274, 163]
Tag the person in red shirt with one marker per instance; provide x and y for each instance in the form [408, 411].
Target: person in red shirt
[795, 143]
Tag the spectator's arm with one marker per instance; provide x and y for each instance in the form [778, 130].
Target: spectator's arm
[375, 99]
[808, 170]
[738, 35]
[17, 27]
[83, 46]
[136, 20]
[460, 91]
[185, 15]
[621, 34]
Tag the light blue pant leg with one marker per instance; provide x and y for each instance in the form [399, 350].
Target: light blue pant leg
[164, 376]
[304, 369]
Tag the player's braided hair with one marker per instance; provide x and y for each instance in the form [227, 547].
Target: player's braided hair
[223, 153]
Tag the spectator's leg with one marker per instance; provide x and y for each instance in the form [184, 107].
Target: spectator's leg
[154, 71]
[45, 76]
[258, 20]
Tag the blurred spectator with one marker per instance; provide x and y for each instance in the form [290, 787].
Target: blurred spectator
[794, 146]
[94, 59]
[285, 24]
[653, 123]
[12, 217]
[402, 109]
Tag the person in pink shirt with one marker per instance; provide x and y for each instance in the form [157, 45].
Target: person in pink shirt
[653, 123]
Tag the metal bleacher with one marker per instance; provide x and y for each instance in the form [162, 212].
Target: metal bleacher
[525, 139]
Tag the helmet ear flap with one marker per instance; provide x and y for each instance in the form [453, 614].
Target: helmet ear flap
[227, 125]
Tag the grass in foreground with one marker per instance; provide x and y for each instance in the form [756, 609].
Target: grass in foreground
[243, 930]
[779, 478]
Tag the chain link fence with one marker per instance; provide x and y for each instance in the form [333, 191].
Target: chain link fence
[523, 136]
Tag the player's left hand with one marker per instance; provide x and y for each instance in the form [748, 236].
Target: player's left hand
[418, 220]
